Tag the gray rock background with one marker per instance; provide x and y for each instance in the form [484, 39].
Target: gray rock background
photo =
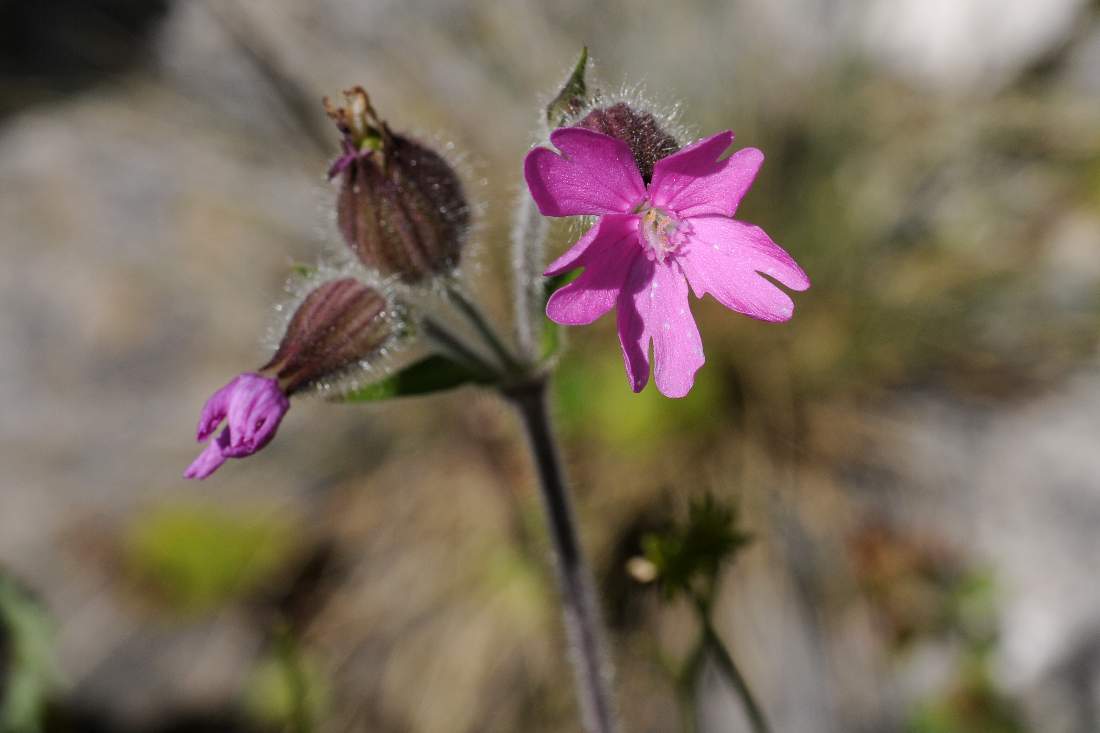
[936, 169]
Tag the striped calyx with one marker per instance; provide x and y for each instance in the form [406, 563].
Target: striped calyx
[401, 206]
[340, 324]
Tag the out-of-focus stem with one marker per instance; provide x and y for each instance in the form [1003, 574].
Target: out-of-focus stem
[686, 685]
[528, 255]
[454, 346]
[591, 666]
[290, 657]
[713, 643]
[477, 319]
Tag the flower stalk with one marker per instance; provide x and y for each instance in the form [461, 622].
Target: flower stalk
[472, 313]
[712, 642]
[584, 627]
[528, 255]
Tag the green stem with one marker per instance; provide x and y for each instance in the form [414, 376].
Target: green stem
[484, 329]
[445, 340]
[687, 685]
[713, 642]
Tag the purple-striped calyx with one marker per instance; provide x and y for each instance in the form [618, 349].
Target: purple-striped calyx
[401, 206]
[340, 325]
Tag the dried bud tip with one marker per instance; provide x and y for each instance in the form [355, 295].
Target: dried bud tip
[357, 121]
[640, 130]
[361, 129]
[573, 95]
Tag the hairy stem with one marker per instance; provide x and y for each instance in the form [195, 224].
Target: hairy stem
[528, 254]
[481, 324]
[454, 346]
[591, 666]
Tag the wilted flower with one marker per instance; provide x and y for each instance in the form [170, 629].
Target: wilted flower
[654, 239]
[401, 206]
[339, 325]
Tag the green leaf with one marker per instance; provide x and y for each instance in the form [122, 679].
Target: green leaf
[432, 374]
[27, 673]
[572, 96]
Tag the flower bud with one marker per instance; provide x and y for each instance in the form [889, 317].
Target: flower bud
[401, 206]
[640, 130]
[340, 324]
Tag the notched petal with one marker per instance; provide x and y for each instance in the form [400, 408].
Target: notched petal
[727, 259]
[694, 182]
[593, 174]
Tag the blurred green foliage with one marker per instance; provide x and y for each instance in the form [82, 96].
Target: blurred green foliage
[973, 705]
[194, 557]
[288, 688]
[595, 403]
[27, 673]
[688, 558]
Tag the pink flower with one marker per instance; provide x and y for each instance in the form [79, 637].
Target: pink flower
[252, 407]
[651, 242]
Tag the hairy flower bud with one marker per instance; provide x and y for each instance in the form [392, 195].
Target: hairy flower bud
[339, 324]
[640, 130]
[401, 206]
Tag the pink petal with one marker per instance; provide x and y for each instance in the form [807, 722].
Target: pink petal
[654, 306]
[594, 174]
[209, 461]
[215, 410]
[607, 230]
[693, 182]
[606, 265]
[252, 406]
[724, 258]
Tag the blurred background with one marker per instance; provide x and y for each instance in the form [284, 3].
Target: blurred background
[914, 455]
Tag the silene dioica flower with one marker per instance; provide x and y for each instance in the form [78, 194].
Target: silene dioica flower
[662, 226]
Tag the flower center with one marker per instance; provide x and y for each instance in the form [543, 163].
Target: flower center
[662, 233]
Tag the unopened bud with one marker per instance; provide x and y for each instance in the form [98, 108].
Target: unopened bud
[340, 324]
[401, 206]
[640, 130]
